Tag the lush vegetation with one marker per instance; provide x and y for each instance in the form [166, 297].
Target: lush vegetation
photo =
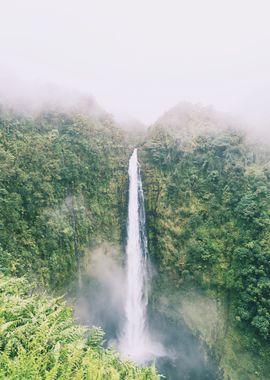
[208, 208]
[62, 182]
[63, 177]
[39, 340]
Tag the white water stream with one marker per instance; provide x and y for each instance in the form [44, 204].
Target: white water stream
[135, 341]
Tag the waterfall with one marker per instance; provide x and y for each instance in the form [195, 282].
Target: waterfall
[135, 341]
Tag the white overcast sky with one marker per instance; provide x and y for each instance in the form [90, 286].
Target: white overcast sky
[141, 57]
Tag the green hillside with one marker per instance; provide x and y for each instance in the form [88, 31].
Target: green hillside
[62, 188]
[207, 196]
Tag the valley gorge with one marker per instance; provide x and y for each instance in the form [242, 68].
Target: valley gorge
[64, 190]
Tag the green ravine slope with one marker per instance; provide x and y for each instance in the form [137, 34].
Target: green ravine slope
[62, 177]
[63, 193]
[207, 196]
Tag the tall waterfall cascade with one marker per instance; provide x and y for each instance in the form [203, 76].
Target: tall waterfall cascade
[135, 341]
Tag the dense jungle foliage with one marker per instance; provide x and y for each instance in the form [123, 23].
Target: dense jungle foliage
[63, 177]
[62, 182]
[208, 209]
[39, 340]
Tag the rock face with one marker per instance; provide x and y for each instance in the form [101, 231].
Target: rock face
[207, 203]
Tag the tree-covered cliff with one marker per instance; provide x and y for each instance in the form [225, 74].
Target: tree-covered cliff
[63, 182]
[63, 177]
[207, 196]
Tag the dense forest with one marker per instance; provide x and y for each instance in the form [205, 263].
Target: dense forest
[61, 182]
[208, 207]
[63, 191]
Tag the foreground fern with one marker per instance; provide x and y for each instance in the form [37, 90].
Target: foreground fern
[39, 340]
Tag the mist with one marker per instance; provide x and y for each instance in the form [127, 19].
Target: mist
[100, 300]
[138, 59]
[101, 293]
